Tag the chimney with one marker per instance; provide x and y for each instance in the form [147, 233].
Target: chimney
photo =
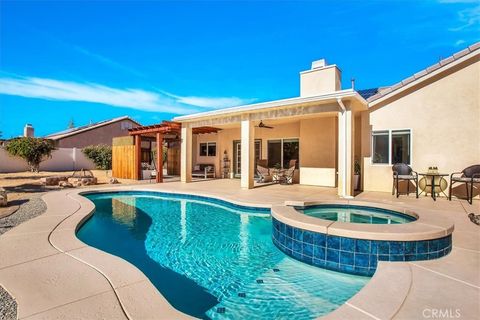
[28, 130]
[320, 79]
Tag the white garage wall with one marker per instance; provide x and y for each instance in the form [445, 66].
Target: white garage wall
[63, 159]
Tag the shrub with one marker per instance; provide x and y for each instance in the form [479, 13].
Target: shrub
[101, 155]
[32, 150]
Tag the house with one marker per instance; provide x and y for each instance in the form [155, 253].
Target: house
[93, 134]
[429, 119]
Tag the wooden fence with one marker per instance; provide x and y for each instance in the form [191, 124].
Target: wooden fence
[123, 161]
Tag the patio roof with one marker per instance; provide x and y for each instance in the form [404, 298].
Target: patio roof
[168, 127]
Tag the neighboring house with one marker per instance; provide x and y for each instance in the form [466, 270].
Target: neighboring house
[429, 119]
[93, 134]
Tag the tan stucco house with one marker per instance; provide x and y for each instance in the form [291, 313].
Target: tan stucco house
[429, 119]
[93, 134]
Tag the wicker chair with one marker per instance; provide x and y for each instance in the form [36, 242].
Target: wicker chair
[469, 176]
[403, 172]
[287, 176]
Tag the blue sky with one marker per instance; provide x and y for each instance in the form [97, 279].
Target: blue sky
[90, 61]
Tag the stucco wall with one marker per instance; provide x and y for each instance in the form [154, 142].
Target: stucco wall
[444, 118]
[63, 159]
[100, 135]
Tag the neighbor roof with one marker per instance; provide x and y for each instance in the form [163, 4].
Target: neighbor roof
[424, 74]
[76, 130]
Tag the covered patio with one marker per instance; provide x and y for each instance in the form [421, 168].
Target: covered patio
[318, 133]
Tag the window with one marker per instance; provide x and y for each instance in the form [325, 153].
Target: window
[391, 146]
[208, 149]
[125, 125]
[281, 151]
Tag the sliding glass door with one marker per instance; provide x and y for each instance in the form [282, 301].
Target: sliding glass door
[281, 151]
[237, 156]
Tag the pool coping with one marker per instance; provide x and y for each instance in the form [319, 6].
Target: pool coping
[62, 236]
[426, 226]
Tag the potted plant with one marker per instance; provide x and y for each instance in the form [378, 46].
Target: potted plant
[356, 175]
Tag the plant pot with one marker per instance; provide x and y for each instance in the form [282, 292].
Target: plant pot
[356, 182]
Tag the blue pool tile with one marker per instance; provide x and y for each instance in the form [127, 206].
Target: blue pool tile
[288, 243]
[307, 249]
[296, 246]
[289, 231]
[410, 247]
[422, 247]
[383, 247]
[319, 239]
[298, 234]
[333, 242]
[373, 260]
[347, 244]
[383, 257]
[331, 265]
[361, 260]
[396, 247]
[306, 259]
[333, 255]
[297, 255]
[308, 236]
[422, 256]
[319, 253]
[346, 268]
[318, 262]
[281, 239]
[362, 246]
[276, 224]
[397, 257]
[361, 270]
[432, 245]
[374, 247]
[410, 257]
[346, 258]
[432, 255]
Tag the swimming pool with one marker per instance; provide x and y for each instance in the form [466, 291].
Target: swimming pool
[213, 259]
[356, 214]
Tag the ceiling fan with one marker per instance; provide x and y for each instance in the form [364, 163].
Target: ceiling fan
[263, 125]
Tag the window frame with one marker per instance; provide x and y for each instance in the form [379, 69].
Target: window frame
[281, 149]
[390, 146]
[207, 145]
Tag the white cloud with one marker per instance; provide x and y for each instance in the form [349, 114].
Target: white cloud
[469, 19]
[50, 89]
[459, 42]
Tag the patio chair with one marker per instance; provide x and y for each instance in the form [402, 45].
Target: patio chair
[469, 176]
[263, 172]
[287, 176]
[403, 172]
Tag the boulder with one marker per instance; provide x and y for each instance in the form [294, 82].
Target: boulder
[65, 184]
[3, 198]
[53, 181]
[113, 181]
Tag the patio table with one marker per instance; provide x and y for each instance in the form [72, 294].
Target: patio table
[432, 184]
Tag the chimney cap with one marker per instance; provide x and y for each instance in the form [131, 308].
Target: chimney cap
[319, 64]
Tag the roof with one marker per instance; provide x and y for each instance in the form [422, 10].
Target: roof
[77, 130]
[262, 106]
[367, 93]
[424, 74]
[167, 127]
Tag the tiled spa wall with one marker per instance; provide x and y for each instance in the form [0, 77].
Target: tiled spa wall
[355, 256]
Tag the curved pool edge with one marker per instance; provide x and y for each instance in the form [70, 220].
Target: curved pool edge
[367, 295]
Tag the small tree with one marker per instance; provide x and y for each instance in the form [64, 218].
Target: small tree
[32, 150]
[101, 155]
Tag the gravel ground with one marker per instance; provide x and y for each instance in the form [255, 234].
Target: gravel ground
[28, 210]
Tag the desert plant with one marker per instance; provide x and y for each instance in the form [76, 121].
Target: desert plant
[101, 155]
[32, 150]
[356, 167]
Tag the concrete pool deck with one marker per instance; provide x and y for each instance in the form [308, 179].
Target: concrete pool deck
[52, 274]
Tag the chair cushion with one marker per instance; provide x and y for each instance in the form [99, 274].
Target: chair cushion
[461, 179]
[406, 176]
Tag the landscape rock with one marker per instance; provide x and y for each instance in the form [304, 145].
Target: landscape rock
[65, 184]
[113, 181]
[3, 198]
[53, 181]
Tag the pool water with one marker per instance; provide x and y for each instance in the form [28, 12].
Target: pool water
[356, 214]
[211, 259]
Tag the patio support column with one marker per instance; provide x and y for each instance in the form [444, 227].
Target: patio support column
[159, 176]
[138, 157]
[186, 154]
[248, 150]
[345, 153]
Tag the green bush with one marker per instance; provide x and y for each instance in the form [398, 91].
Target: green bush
[32, 150]
[101, 155]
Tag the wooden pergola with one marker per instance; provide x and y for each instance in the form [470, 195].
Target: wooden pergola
[165, 131]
